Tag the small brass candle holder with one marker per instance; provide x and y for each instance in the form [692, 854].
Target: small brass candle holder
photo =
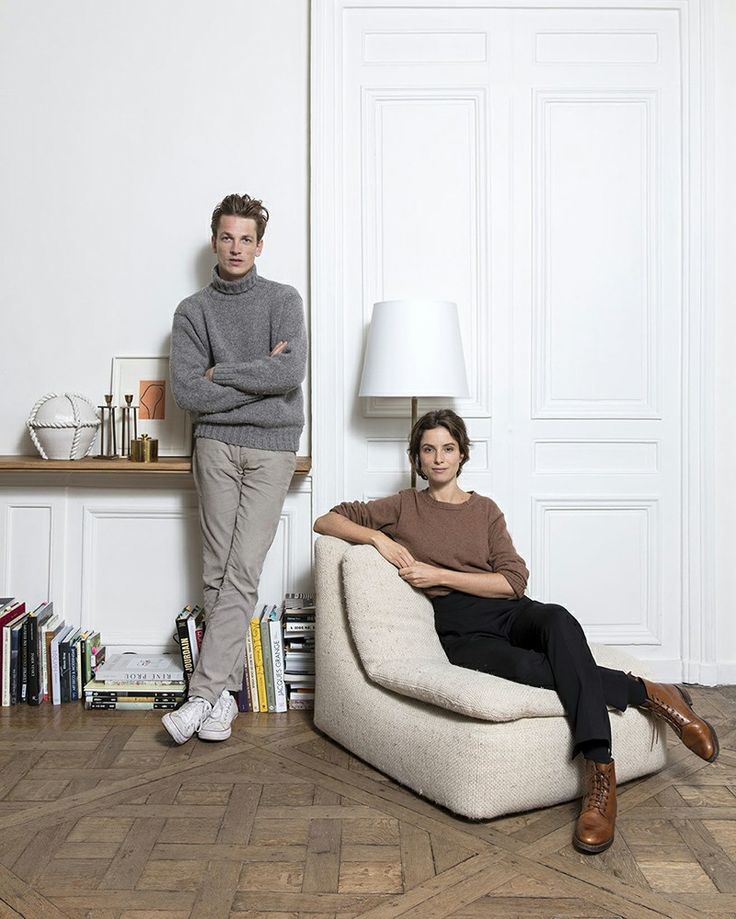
[144, 449]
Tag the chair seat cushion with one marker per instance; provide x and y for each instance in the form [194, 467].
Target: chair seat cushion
[393, 629]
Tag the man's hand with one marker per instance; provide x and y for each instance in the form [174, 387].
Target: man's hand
[392, 551]
[421, 575]
[208, 373]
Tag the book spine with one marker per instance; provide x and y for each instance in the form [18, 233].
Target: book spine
[299, 627]
[277, 657]
[48, 635]
[192, 633]
[267, 665]
[147, 697]
[23, 660]
[73, 696]
[33, 695]
[242, 694]
[6, 667]
[14, 666]
[250, 666]
[55, 682]
[184, 646]
[255, 628]
[132, 706]
[78, 682]
[64, 671]
[295, 704]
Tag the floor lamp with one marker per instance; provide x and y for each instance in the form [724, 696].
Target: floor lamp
[414, 349]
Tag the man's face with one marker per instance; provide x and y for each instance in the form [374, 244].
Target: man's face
[236, 246]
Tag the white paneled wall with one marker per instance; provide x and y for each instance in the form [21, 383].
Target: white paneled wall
[125, 558]
[540, 166]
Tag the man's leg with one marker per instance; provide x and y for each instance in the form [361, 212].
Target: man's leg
[218, 479]
[266, 476]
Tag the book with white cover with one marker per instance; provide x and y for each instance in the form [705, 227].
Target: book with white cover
[277, 659]
[140, 668]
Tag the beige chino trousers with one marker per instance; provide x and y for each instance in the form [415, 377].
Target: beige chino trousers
[241, 493]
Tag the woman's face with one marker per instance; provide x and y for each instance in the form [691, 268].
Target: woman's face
[439, 456]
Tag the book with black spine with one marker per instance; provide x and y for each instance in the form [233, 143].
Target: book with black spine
[36, 621]
[15, 640]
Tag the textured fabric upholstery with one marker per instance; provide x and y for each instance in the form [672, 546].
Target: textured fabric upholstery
[478, 745]
[399, 648]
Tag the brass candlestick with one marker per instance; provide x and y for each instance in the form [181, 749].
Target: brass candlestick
[128, 413]
[107, 423]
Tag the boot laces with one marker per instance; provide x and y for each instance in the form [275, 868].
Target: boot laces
[597, 796]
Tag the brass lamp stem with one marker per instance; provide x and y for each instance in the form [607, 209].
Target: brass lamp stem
[413, 422]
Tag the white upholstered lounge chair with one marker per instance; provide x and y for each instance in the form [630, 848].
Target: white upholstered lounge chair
[478, 745]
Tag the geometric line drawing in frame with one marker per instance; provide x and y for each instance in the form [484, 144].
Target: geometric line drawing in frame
[147, 378]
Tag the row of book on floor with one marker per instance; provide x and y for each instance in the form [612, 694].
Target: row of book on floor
[278, 674]
[42, 657]
[279, 654]
[136, 682]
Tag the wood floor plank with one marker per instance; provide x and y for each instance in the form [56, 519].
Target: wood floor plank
[240, 814]
[218, 890]
[132, 857]
[22, 898]
[416, 855]
[710, 855]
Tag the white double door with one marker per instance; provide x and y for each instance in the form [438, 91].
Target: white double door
[527, 164]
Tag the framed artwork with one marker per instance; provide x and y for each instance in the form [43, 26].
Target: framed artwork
[147, 379]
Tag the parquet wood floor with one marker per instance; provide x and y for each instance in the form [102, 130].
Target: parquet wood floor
[103, 817]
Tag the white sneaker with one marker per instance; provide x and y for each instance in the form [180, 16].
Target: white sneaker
[216, 726]
[186, 721]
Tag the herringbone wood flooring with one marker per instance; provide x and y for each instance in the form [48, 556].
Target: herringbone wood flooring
[103, 817]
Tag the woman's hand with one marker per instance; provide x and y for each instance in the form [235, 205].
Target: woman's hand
[421, 575]
[392, 551]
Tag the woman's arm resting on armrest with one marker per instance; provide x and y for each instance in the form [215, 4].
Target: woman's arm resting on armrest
[333, 524]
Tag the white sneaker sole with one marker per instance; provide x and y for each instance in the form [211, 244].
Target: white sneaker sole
[171, 726]
[214, 734]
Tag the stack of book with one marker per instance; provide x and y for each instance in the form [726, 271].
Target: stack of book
[298, 619]
[135, 682]
[279, 654]
[42, 659]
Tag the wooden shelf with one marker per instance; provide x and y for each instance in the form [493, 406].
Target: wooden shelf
[181, 465]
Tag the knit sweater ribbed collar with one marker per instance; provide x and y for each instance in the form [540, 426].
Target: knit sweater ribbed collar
[240, 286]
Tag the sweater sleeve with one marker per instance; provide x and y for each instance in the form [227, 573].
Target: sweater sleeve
[281, 373]
[380, 514]
[503, 557]
[190, 358]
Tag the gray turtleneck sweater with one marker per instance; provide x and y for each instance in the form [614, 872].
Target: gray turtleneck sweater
[253, 400]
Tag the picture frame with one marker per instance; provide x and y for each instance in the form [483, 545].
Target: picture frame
[148, 379]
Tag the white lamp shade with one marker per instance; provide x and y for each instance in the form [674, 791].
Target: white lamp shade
[414, 349]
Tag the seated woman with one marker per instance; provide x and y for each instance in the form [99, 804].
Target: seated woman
[454, 546]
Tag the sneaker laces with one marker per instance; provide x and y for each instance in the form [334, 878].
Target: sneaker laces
[199, 709]
[219, 709]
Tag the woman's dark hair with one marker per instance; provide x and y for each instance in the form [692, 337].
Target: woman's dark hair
[441, 418]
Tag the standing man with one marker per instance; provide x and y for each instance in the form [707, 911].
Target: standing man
[238, 359]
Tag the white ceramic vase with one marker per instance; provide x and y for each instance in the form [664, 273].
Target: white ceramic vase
[63, 426]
